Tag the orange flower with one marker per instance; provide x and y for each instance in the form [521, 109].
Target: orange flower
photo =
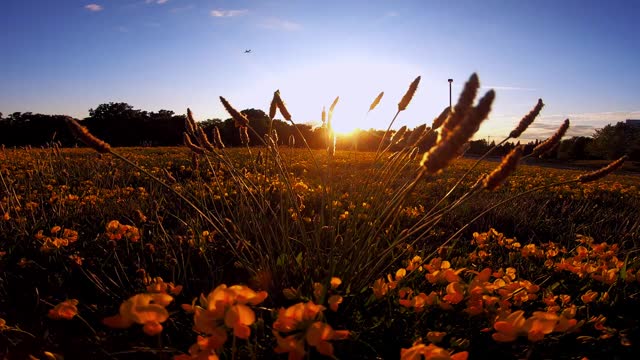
[226, 306]
[435, 336]
[380, 288]
[455, 293]
[430, 352]
[301, 319]
[334, 301]
[589, 296]
[145, 309]
[539, 325]
[238, 318]
[335, 282]
[509, 329]
[65, 310]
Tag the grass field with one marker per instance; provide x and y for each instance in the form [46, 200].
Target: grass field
[99, 260]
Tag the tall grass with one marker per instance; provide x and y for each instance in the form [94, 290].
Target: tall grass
[283, 240]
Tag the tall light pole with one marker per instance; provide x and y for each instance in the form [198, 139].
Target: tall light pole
[450, 81]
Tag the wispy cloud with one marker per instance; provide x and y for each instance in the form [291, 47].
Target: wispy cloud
[391, 14]
[160, 2]
[94, 7]
[507, 88]
[182, 8]
[599, 117]
[228, 13]
[279, 24]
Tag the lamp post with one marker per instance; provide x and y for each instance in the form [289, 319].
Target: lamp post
[450, 81]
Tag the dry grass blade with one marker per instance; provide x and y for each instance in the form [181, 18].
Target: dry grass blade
[376, 101]
[527, 120]
[600, 173]
[406, 99]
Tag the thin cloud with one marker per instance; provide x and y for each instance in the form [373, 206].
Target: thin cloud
[159, 2]
[182, 8]
[605, 116]
[500, 87]
[228, 13]
[279, 24]
[94, 7]
[391, 14]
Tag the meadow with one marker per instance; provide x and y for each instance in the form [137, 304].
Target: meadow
[270, 251]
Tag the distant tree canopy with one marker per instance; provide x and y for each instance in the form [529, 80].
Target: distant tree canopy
[121, 125]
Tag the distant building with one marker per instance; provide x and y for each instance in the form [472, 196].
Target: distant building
[633, 122]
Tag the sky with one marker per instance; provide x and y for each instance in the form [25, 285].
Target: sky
[581, 57]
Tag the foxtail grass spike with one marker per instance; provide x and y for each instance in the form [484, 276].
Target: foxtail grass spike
[86, 137]
[376, 101]
[527, 120]
[406, 99]
[506, 167]
[217, 139]
[600, 173]
[332, 107]
[274, 105]
[281, 106]
[462, 107]
[191, 123]
[238, 118]
[437, 122]
[448, 147]
[551, 142]
[195, 148]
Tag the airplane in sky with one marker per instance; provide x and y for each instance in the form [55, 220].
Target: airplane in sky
[247, 51]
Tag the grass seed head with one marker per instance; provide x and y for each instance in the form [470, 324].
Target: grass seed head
[281, 106]
[527, 120]
[274, 105]
[406, 99]
[238, 118]
[437, 122]
[217, 139]
[462, 107]
[506, 167]
[600, 173]
[448, 147]
[86, 137]
[376, 101]
[195, 148]
[191, 123]
[551, 142]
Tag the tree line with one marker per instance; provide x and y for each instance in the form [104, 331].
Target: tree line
[120, 124]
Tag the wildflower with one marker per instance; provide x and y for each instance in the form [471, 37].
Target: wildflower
[65, 310]
[145, 309]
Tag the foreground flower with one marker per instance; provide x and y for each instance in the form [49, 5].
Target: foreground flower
[299, 325]
[145, 309]
[421, 351]
[66, 310]
[535, 328]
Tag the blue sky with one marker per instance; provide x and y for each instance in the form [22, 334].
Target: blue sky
[581, 57]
